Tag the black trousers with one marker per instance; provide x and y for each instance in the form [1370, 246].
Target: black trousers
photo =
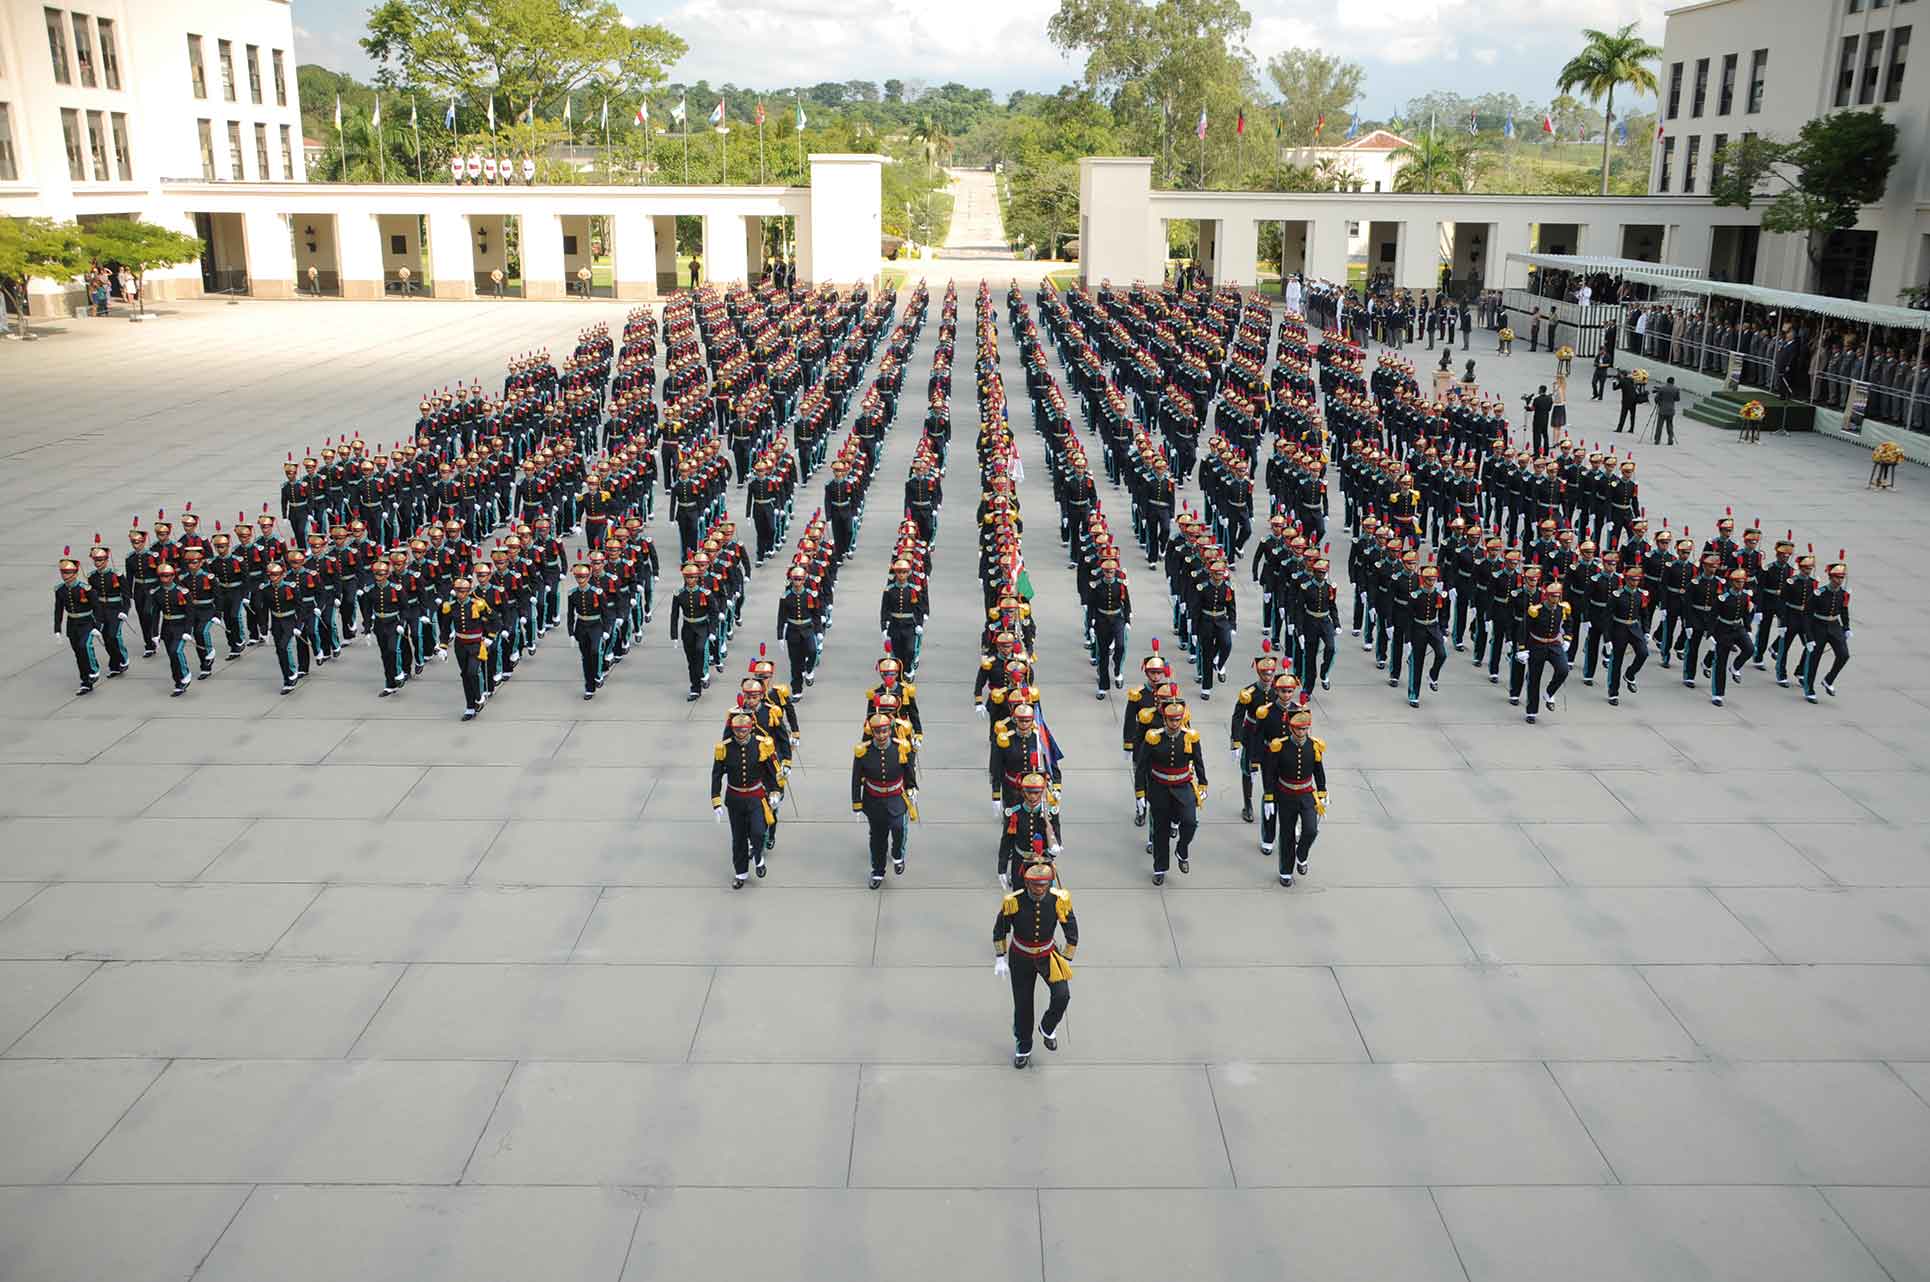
[1108, 646]
[391, 642]
[903, 637]
[109, 623]
[696, 651]
[589, 644]
[887, 831]
[1294, 824]
[174, 639]
[1169, 807]
[80, 635]
[474, 672]
[801, 644]
[1825, 636]
[1622, 639]
[1420, 637]
[1317, 638]
[747, 830]
[1026, 971]
[1542, 657]
[1216, 647]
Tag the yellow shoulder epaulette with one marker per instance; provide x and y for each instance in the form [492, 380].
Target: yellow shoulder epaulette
[723, 746]
[1145, 716]
[1010, 905]
[765, 748]
[1319, 749]
[859, 750]
[1192, 736]
[1152, 736]
[911, 691]
[1004, 739]
[1246, 695]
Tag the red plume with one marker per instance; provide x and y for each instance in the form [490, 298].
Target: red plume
[217, 527]
[1155, 645]
[67, 551]
[1842, 554]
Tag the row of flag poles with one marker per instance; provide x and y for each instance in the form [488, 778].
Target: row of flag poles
[1353, 127]
[679, 115]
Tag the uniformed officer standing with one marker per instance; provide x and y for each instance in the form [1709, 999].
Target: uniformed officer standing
[884, 794]
[1024, 936]
[744, 787]
[1169, 785]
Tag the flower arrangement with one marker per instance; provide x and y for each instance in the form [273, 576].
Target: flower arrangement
[1752, 412]
[1639, 376]
[1507, 335]
[1888, 452]
[1564, 353]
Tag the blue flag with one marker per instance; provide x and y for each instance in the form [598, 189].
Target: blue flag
[1353, 125]
[1508, 129]
[449, 115]
[1621, 131]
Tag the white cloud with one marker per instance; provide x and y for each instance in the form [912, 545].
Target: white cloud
[1487, 57]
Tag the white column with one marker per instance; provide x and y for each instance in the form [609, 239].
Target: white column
[844, 224]
[1417, 263]
[1237, 248]
[358, 240]
[635, 252]
[452, 255]
[1510, 237]
[724, 248]
[542, 248]
[753, 247]
[1119, 238]
[1327, 248]
[271, 254]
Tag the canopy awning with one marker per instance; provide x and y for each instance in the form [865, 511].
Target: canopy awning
[1686, 281]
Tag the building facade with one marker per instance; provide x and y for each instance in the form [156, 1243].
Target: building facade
[1367, 163]
[1736, 69]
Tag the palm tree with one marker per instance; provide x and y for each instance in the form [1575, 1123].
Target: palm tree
[938, 143]
[1435, 163]
[1605, 62]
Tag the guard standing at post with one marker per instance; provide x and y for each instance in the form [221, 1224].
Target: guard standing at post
[1024, 935]
[884, 794]
[743, 785]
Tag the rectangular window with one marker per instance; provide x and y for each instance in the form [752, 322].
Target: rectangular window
[254, 75]
[1758, 74]
[227, 53]
[57, 48]
[196, 72]
[123, 154]
[207, 150]
[1689, 159]
[235, 171]
[1675, 90]
[97, 141]
[1668, 160]
[1727, 101]
[281, 81]
[1846, 71]
[1872, 68]
[84, 49]
[76, 159]
[9, 168]
[1899, 55]
[1856, 6]
[398, 244]
[261, 152]
[1715, 159]
[1701, 87]
[287, 154]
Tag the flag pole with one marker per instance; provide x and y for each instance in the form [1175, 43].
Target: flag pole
[415, 126]
[1202, 136]
[800, 133]
[760, 144]
[686, 124]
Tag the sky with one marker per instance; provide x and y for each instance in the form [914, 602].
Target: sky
[1407, 47]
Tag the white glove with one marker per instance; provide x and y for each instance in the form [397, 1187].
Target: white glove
[1234, 755]
[920, 629]
[1002, 968]
[777, 801]
[982, 714]
[1139, 807]
[368, 638]
[121, 617]
[1848, 633]
[859, 815]
[1057, 849]
[1521, 656]
[1266, 810]
[57, 635]
[717, 814]
[998, 807]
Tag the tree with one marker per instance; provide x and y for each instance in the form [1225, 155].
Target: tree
[41, 247]
[1312, 84]
[1435, 162]
[527, 49]
[1608, 61]
[140, 247]
[1835, 165]
[932, 135]
[894, 91]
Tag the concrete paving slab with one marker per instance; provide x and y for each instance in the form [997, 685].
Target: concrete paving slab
[237, 741]
[1616, 925]
[484, 743]
[1598, 1234]
[951, 1127]
[1313, 926]
[55, 1111]
[532, 1012]
[1894, 1224]
[131, 922]
[1637, 854]
[715, 1124]
[1768, 796]
[300, 1121]
[1401, 1124]
[1439, 796]
[127, 1233]
[265, 792]
[1434, 854]
[1800, 1012]
[85, 849]
[1511, 1013]
[857, 1235]
[29, 989]
[1864, 854]
[440, 923]
[313, 1234]
[732, 927]
[71, 741]
[1837, 925]
[1752, 1123]
[1245, 1235]
[117, 791]
[530, 792]
[366, 851]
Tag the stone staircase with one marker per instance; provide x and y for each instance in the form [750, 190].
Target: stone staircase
[1723, 408]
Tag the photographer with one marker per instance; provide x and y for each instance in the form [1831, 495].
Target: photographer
[1633, 394]
[1539, 406]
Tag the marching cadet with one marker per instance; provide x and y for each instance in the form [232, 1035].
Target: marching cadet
[76, 618]
[1318, 628]
[110, 589]
[1426, 609]
[901, 616]
[175, 606]
[1828, 625]
[1030, 835]
[1769, 594]
[1294, 773]
[204, 603]
[230, 574]
[889, 673]
[1628, 629]
[1794, 606]
[1024, 938]
[744, 786]
[143, 583]
[1547, 627]
[281, 601]
[1253, 695]
[1699, 604]
[800, 625]
[1109, 608]
[1218, 616]
[586, 608]
[884, 794]
[1169, 786]
[1730, 624]
[470, 618]
[1018, 749]
[690, 622]
[388, 609]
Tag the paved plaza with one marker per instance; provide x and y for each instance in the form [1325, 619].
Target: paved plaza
[332, 986]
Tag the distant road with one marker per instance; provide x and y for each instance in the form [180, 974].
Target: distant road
[977, 229]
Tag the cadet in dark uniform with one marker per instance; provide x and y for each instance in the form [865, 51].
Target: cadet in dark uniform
[1024, 935]
[470, 617]
[1110, 607]
[800, 623]
[690, 622]
[1293, 773]
[1029, 835]
[175, 606]
[1254, 696]
[75, 619]
[586, 623]
[884, 794]
[110, 588]
[901, 616]
[1547, 627]
[1169, 783]
[388, 606]
[1829, 626]
[1628, 629]
[743, 785]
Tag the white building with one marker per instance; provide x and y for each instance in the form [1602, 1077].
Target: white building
[1368, 163]
[1732, 69]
